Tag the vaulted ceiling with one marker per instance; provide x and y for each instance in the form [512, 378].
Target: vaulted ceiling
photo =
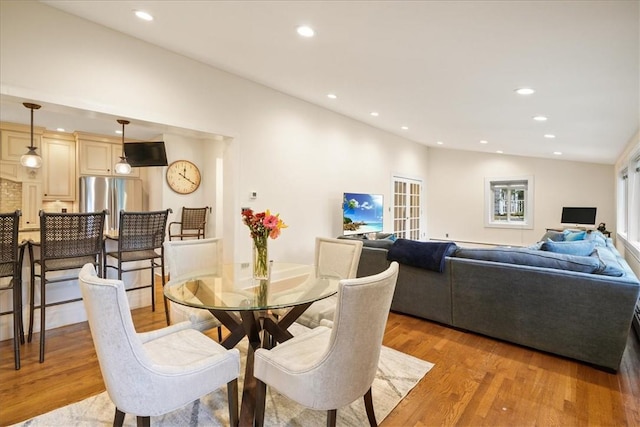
[441, 73]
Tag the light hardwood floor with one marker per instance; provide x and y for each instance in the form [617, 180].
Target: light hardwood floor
[476, 381]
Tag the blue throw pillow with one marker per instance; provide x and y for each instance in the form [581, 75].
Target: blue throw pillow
[571, 236]
[578, 247]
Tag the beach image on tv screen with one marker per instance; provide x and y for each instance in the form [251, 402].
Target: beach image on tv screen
[362, 213]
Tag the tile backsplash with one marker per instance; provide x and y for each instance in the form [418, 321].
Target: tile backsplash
[57, 206]
[10, 195]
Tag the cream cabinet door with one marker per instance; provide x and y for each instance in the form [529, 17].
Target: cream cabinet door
[95, 158]
[31, 205]
[10, 170]
[100, 158]
[14, 144]
[15, 141]
[59, 168]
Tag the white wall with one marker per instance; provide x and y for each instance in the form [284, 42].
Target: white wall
[456, 194]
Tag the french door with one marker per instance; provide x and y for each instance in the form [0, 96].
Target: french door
[407, 208]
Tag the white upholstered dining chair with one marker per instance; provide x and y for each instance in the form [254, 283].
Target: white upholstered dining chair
[335, 258]
[190, 256]
[328, 368]
[153, 373]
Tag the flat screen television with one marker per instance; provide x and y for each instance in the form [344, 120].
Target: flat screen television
[585, 216]
[362, 213]
[144, 154]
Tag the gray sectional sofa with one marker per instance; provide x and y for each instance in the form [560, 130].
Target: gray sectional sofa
[574, 305]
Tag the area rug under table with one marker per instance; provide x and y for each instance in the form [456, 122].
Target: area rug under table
[397, 374]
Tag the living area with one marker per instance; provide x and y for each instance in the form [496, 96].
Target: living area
[299, 158]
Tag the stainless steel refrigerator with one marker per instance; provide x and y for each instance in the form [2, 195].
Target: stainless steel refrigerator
[112, 193]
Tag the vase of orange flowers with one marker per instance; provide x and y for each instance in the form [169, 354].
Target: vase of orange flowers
[263, 226]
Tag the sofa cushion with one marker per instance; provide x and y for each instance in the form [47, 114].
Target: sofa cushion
[597, 237]
[382, 243]
[536, 246]
[534, 258]
[610, 264]
[578, 247]
[386, 236]
[556, 236]
[370, 243]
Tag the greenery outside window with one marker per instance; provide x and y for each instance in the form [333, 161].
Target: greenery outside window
[509, 202]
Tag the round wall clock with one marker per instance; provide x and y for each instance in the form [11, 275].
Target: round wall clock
[183, 177]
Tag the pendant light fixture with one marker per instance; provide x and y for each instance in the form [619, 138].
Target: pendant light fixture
[31, 159]
[123, 167]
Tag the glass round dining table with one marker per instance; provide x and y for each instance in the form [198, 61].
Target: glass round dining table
[231, 294]
[247, 307]
[232, 287]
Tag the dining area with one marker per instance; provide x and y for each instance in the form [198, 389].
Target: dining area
[248, 309]
[346, 344]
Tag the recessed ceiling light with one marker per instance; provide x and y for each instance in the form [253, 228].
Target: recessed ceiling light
[558, 153]
[404, 127]
[145, 16]
[484, 141]
[499, 151]
[540, 118]
[439, 142]
[549, 135]
[119, 132]
[332, 96]
[305, 31]
[375, 114]
[60, 129]
[525, 91]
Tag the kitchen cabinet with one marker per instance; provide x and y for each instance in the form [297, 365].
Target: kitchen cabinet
[15, 139]
[31, 205]
[59, 167]
[10, 170]
[98, 155]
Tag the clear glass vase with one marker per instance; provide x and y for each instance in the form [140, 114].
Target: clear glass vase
[261, 269]
[260, 258]
[262, 292]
